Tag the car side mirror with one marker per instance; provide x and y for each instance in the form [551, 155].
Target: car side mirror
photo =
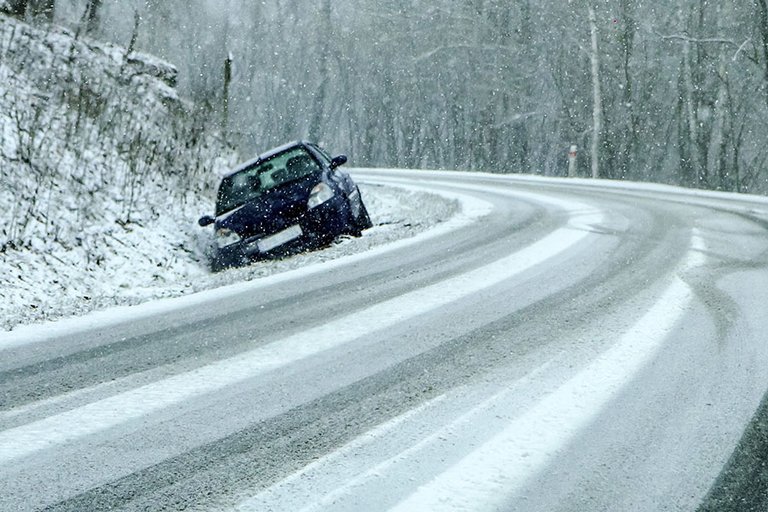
[338, 161]
[206, 220]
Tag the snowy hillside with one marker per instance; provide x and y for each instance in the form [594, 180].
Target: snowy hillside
[105, 171]
[96, 145]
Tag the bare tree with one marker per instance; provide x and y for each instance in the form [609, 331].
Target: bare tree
[92, 16]
[670, 91]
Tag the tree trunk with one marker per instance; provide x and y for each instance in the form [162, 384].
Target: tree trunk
[628, 165]
[763, 29]
[320, 97]
[597, 96]
[93, 16]
[691, 111]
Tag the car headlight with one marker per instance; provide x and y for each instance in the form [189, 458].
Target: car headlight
[320, 194]
[225, 237]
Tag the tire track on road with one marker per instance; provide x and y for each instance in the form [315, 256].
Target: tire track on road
[452, 363]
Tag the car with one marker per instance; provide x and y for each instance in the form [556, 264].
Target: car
[291, 198]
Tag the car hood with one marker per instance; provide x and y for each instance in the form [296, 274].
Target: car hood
[271, 212]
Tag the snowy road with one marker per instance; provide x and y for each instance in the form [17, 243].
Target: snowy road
[559, 345]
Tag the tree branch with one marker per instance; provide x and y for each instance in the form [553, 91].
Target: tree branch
[688, 39]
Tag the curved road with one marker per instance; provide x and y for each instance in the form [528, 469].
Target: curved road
[559, 346]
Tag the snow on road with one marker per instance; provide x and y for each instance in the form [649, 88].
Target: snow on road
[472, 446]
[501, 463]
[143, 401]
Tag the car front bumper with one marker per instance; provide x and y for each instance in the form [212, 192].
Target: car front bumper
[316, 227]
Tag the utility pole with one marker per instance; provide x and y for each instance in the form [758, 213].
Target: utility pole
[227, 82]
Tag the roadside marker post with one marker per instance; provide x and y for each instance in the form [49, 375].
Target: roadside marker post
[572, 161]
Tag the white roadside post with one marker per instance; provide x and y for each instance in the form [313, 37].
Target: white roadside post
[572, 161]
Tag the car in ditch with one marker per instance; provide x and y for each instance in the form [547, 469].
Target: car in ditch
[288, 199]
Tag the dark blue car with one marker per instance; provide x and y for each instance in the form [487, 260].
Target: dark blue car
[291, 198]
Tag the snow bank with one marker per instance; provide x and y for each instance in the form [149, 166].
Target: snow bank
[166, 258]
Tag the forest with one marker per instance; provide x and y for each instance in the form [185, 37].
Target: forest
[666, 91]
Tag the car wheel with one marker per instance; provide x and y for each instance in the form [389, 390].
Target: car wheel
[363, 220]
[219, 261]
[216, 265]
[356, 225]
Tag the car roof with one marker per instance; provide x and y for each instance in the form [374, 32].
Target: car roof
[266, 156]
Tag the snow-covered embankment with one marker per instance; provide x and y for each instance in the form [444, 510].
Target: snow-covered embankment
[105, 170]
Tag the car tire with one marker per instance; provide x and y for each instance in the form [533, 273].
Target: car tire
[356, 225]
[217, 264]
[219, 261]
[363, 220]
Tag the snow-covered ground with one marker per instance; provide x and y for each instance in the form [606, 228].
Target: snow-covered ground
[167, 258]
[105, 171]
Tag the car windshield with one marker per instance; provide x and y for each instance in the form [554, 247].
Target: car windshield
[250, 183]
